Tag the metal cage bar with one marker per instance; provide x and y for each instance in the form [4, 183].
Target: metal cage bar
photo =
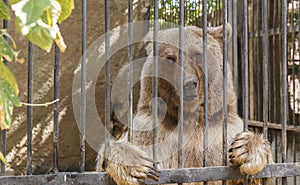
[130, 75]
[83, 89]
[107, 82]
[225, 74]
[205, 67]
[284, 85]
[29, 108]
[155, 81]
[56, 109]
[265, 71]
[181, 76]
[167, 175]
[246, 70]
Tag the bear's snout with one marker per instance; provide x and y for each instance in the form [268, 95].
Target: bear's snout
[190, 85]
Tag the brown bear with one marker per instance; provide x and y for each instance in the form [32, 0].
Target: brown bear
[129, 163]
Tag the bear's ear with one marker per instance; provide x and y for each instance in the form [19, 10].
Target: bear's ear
[148, 40]
[217, 32]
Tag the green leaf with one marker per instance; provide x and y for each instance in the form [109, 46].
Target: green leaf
[8, 76]
[30, 11]
[2, 158]
[12, 2]
[8, 107]
[5, 33]
[66, 9]
[8, 95]
[5, 50]
[42, 35]
[18, 25]
[4, 11]
[44, 17]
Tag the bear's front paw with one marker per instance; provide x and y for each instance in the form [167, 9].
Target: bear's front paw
[250, 151]
[133, 174]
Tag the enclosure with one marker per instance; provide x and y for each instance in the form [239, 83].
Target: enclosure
[57, 144]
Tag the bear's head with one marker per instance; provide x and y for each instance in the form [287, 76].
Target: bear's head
[168, 73]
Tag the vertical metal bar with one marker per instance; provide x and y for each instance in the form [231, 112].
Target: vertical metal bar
[205, 134]
[298, 122]
[3, 148]
[277, 143]
[29, 108]
[181, 55]
[265, 70]
[225, 61]
[253, 50]
[56, 109]
[265, 66]
[234, 44]
[294, 88]
[155, 80]
[246, 70]
[3, 132]
[293, 62]
[83, 89]
[130, 75]
[274, 76]
[258, 64]
[107, 73]
[284, 85]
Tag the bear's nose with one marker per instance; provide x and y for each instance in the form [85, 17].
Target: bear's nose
[190, 83]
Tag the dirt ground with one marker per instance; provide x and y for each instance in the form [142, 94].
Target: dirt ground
[69, 143]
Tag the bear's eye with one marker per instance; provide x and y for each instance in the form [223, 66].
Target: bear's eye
[171, 58]
[198, 57]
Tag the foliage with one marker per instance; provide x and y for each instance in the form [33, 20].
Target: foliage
[38, 21]
[169, 12]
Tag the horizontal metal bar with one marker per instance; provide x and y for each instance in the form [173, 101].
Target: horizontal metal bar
[274, 31]
[274, 126]
[166, 176]
[62, 178]
[224, 173]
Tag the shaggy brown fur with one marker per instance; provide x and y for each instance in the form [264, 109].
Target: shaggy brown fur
[130, 164]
